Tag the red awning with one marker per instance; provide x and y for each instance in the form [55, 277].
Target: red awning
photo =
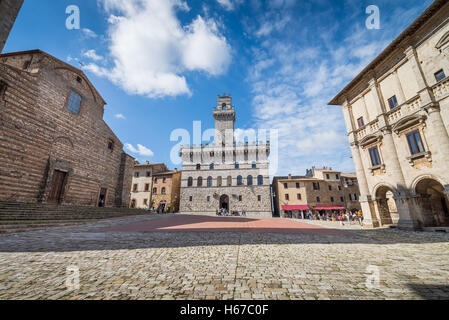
[291, 208]
[330, 208]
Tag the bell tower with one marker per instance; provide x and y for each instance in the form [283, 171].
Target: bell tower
[224, 115]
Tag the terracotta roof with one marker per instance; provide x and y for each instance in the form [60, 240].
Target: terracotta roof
[423, 18]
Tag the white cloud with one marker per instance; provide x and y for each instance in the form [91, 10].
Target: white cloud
[92, 54]
[230, 5]
[120, 116]
[152, 51]
[89, 33]
[141, 150]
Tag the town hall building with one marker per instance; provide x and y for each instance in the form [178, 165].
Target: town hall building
[224, 174]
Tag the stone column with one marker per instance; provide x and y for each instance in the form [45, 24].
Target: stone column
[437, 136]
[369, 212]
[393, 167]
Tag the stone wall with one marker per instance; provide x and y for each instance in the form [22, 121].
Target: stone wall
[39, 135]
[9, 9]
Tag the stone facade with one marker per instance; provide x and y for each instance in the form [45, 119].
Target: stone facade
[48, 152]
[397, 116]
[154, 186]
[224, 174]
[320, 191]
[9, 9]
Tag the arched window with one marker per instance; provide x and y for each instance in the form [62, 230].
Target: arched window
[250, 180]
[200, 182]
[260, 180]
[190, 182]
[219, 181]
[229, 181]
[164, 191]
[209, 182]
[212, 166]
[239, 180]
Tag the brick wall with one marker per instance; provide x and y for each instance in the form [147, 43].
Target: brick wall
[9, 9]
[39, 135]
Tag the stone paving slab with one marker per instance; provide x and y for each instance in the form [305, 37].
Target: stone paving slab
[221, 265]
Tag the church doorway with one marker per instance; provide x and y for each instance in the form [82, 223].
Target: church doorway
[224, 202]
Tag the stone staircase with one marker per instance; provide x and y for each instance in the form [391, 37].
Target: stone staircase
[20, 217]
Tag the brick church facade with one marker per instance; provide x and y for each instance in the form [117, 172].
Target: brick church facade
[55, 147]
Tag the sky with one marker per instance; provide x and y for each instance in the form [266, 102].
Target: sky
[160, 64]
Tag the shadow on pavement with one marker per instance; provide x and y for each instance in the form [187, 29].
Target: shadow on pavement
[193, 231]
[431, 292]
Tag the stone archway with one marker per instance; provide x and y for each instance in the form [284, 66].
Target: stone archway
[386, 206]
[433, 204]
[224, 202]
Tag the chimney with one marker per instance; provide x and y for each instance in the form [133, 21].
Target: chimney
[290, 176]
[148, 162]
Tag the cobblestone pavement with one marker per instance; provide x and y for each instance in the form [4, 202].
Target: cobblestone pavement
[222, 265]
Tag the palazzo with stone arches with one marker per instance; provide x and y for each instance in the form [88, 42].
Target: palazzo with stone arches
[397, 117]
[224, 175]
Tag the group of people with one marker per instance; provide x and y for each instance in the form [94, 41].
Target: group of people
[342, 217]
[225, 212]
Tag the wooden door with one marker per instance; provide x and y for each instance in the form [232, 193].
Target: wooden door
[57, 186]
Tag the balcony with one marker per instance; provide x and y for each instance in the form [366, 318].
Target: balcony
[370, 128]
[404, 110]
[441, 89]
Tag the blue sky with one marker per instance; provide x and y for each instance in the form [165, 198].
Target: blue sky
[160, 64]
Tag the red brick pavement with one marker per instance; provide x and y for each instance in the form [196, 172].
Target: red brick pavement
[223, 224]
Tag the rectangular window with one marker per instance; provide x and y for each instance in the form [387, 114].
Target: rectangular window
[285, 186]
[440, 75]
[360, 122]
[259, 198]
[328, 177]
[298, 186]
[337, 176]
[332, 199]
[208, 199]
[375, 158]
[415, 142]
[240, 198]
[287, 197]
[393, 102]
[299, 196]
[191, 199]
[330, 188]
[339, 188]
[137, 174]
[318, 199]
[147, 187]
[74, 103]
[148, 174]
[135, 188]
[342, 199]
[316, 186]
[145, 201]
